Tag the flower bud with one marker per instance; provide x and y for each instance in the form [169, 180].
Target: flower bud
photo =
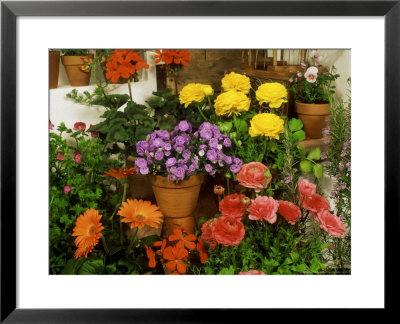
[208, 91]
[267, 174]
[232, 135]
[219, 190]
[228, 175]
[246, 201]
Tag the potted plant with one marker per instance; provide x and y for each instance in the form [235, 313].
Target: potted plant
[77, 65]
[54, 67]
[313, 87]
[177, 162]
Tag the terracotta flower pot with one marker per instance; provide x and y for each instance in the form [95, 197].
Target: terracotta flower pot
[72, 65]
[139, 185]
[313, 117]
[177, 201]
[54, 68]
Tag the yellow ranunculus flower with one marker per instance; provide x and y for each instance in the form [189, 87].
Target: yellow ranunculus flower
[265, 124]
[231, 102]
[235, 81]
[194, 92]
[273, 94]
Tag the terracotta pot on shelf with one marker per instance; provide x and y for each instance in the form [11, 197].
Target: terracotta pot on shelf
[313, 117]
[73, 65]
[177, 201]
[54, 68]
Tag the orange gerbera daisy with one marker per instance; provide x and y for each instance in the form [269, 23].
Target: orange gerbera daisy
[140, 213]
[121, 173]
[88, 231]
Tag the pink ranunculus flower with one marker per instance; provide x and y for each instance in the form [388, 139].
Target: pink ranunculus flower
[252, 272]
[252, 175]
[263, 207]
[331, 224]
[60, 157]
[306, 188]
[315, 203]
[67, 189]
[228, 231]
[77, 157]
[289, 211]
[51, 125]
[311, 74]
[207, 233]
[79, 126]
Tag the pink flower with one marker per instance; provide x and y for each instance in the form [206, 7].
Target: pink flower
[252, 272]
[51, 125]
[331, 224]
[311, 74]
[77, 157]
[315, 203]
[93, 134]
[60, 157]
[79, 126]
[232, 205]
[289, 211]
[207, 233]
[67, 189]
[253, 175]
[303, 65]
[228, 231]
[306, 188]
[263, 207]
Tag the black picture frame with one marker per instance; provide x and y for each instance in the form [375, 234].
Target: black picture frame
[10, 10]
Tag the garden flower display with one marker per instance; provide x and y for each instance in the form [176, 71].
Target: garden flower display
[254, 175]
[237, 82]
[140, 213]
[172, 57]
[274, 94]
[87, 231]
[266, 124]
[194, 92]
[231, 102]
[182, 153]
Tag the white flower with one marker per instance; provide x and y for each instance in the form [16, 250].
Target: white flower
[201, 153]
[311, 74]
[219, 147]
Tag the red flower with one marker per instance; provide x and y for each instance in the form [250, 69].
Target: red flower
[306, 188]
[79, 126]
[289, 211]
[228, 231]
[219, 190]
[175, 255]
[254, 175]
[187, 239]
[202, 251]
[92, 133]
[77, 157]
[178, 57]
[60, 157]
[263, 207]
[67, 189]
[232, 206]
[314, 203]
[252, 272]
[331, 224]
[51, 125]
[151, 256]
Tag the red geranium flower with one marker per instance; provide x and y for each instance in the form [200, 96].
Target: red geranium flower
[151, 256]
[79, 126]
[175, 255]
[202, 251]
[232, 205]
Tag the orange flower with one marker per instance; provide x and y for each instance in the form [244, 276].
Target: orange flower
[140, 213]
[151, 256]
[88, 231]
[178, 57]
[121, 173]
[161, 244]
[175, 255]
[182, 57]
[202, 251]
[187, 239]
[124, 63]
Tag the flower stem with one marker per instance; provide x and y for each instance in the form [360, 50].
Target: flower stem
[201, 113]
[129, 87]
[228, 186]
[121, 236]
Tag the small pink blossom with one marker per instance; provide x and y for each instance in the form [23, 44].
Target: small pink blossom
[263, 207]
[93, 134]
[67, 189]
[252, 272]
[331, 224]
[306, 188]
[79, 126]
[77, 157]
[311, 74]
[303, 65]
[60, 157]
[51, 125]
[299, 74]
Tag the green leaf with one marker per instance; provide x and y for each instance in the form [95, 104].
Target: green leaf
[295, 256]
[299, 136]
[226, 271]
[92, 267]
[305, 166]
[315, 154]
[318, 171]
[302, 150]
[299, 268]
[225, 127]
[295, 124]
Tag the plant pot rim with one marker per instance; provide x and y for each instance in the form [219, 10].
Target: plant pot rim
[312, 109]
[163, 182]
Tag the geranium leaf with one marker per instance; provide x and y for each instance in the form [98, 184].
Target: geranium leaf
[305, 166]
[295, 124]
[318, 171]
[315, 154]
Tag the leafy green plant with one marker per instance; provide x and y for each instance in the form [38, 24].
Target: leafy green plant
[74, 52]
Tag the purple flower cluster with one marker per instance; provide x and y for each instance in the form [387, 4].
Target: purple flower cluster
[182, 153]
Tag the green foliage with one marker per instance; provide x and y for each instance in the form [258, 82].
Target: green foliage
[85, 178]
[74, 52]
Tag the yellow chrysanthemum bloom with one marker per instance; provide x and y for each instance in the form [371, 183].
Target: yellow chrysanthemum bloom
[265, 124]
[194, 92]
[273, 94]
[236, 81]
[231, 102]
